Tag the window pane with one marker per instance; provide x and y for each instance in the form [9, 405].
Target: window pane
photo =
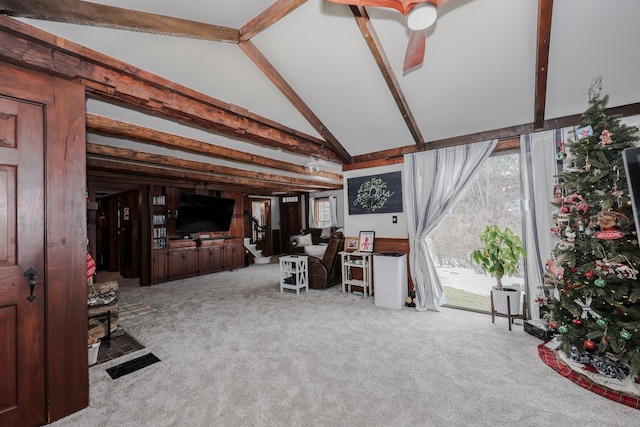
[492, 197]
[322, 212]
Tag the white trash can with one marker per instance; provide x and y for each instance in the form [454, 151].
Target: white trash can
[390, 280]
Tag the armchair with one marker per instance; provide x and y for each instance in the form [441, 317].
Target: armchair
[326, 271]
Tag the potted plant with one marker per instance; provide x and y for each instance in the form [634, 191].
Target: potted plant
[500, 256]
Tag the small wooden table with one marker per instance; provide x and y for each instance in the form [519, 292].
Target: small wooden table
[294, 273]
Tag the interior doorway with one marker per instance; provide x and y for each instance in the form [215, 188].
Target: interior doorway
[261, 224]
[118, 246]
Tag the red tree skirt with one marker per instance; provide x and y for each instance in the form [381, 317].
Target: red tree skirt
[549, 357]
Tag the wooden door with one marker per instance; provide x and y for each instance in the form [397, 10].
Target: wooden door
[22, 329]
[290, 219]
[130, 243]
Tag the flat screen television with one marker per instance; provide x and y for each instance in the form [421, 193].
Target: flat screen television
[198, 213]
[631, 159]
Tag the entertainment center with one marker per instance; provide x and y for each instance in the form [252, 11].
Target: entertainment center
[194, 248]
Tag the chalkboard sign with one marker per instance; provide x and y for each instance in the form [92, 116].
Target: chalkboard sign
[375, 194]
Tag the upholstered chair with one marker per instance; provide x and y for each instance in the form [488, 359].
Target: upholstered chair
[325, 272]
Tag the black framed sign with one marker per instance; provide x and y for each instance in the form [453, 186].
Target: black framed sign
[375, 193]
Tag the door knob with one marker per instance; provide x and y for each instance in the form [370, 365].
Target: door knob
[31, 274]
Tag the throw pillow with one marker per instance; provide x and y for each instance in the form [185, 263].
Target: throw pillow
[326, 232]
[305, 240]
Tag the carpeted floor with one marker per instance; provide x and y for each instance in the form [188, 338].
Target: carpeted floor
[234, 351]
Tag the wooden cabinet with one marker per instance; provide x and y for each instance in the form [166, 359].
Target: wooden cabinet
[205, 260]
[184, 258]
[234, 255]
[159, 267]
[175, 258]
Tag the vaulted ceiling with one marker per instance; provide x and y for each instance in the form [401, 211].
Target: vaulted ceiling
[277, 85]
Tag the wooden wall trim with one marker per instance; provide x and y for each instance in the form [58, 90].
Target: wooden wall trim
[394, 245]
[66, 329]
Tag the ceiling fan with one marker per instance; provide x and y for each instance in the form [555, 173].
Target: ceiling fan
[421, 14]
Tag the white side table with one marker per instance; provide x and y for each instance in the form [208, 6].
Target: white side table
[351, 260]
[294, 273]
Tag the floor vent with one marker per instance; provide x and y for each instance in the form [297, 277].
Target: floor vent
[132, 365]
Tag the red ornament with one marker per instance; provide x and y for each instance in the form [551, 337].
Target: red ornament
[564, 209]
[589, 345]
[588, 274]
[577, 322]
[572, 269]
[552, 325]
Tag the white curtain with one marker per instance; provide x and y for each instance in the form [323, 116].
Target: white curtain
[333, 205]
[539, 166]
[312, 212]
[432, 182]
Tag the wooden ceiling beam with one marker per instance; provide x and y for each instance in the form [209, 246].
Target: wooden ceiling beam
[114, 80]
[371, 37]
[114, 169]
[545, 12]
[276, 78]
[115, 153]
[116, 128]
[134, 168]
[98, 15]
[507, 133]
[268, 17]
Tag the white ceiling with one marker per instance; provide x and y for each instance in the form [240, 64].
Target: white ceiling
[479, 71]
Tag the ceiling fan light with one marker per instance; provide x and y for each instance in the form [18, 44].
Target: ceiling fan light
[422, 16]
[313, 167]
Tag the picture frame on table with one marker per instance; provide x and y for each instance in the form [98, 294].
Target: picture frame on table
[365, 243]
[351, 244]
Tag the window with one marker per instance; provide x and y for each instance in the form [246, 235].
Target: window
[492, 197]
[322, 212]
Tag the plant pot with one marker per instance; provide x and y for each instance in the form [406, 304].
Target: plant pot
[93, 353]
[499, 299]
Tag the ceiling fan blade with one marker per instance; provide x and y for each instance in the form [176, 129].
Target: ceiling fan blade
[402, 6]
[415, 51]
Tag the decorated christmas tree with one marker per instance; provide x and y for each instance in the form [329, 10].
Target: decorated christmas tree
[591, 281]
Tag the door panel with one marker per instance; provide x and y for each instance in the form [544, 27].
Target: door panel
[22, 362]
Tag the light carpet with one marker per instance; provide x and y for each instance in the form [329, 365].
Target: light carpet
[235, 351]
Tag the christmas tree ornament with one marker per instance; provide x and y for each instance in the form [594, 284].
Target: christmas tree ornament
[552, 325]
[586, 308]
[626, 272]
[601, 322]
[625, 335]
[605, 138]
[584, 132]
[577, 322]
[571, 235]
[589, 345]
[595, 89]
[608, 221]
[561, 155]
[600, 283]
[563, 329]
